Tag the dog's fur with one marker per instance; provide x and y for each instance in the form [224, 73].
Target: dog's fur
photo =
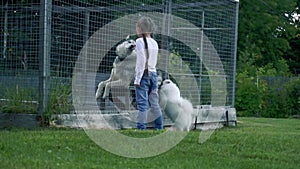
[180, 110]
[122, 71]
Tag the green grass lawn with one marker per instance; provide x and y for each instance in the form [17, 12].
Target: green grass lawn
[254, 143]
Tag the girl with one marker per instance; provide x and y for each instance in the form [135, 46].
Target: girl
[146, 84]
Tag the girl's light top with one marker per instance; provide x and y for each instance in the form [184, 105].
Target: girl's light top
[141, 57]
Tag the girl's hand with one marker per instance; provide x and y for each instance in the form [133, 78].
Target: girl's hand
[137, 85]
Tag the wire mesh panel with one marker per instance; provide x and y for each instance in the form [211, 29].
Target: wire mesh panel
[216, 22]
[197, 41]
[19, 60]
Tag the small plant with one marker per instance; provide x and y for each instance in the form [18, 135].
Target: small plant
[16, 99]
[293, 91]
[19, 100]
[60, 100]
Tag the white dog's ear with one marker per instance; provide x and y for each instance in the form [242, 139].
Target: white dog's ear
[167, 81]
[127, 38]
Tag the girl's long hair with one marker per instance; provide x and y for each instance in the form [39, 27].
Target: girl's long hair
[147, 26]
[147, 54]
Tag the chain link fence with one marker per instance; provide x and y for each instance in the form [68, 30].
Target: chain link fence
[40, 42]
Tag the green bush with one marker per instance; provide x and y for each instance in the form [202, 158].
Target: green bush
[293, 92]
[247, 97]
[60, 100]
[275, 98]
[19, 100]
[270, 96]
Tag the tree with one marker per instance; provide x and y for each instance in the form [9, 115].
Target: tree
[293, 56]
[264, 31]
[268, 47]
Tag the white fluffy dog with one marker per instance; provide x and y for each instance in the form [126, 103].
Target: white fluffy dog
[180, 110]
[122, 71]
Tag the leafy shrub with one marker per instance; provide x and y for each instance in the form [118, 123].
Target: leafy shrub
[269, 96]
[293, 92]
[19, 100]
[275, 98]
[247, 97]
[59, 99]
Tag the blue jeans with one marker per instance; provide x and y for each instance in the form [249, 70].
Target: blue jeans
[147, 94]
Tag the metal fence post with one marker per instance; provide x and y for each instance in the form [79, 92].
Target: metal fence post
[44, 54]
[165, 38]
[201, 55]
[235, 53]
[5, 30]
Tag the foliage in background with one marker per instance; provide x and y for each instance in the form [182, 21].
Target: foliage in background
[24, 100]
[267, 96]
[293, 91]
[269, 91]
[183, 77]
[275, 98]
[19, 100]
[248, 96]
[268, 59]
[60, 100]
[266, 33]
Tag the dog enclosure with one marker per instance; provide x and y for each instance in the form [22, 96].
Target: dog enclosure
[54, 53]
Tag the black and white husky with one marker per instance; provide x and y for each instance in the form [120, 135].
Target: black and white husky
[122, 71]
